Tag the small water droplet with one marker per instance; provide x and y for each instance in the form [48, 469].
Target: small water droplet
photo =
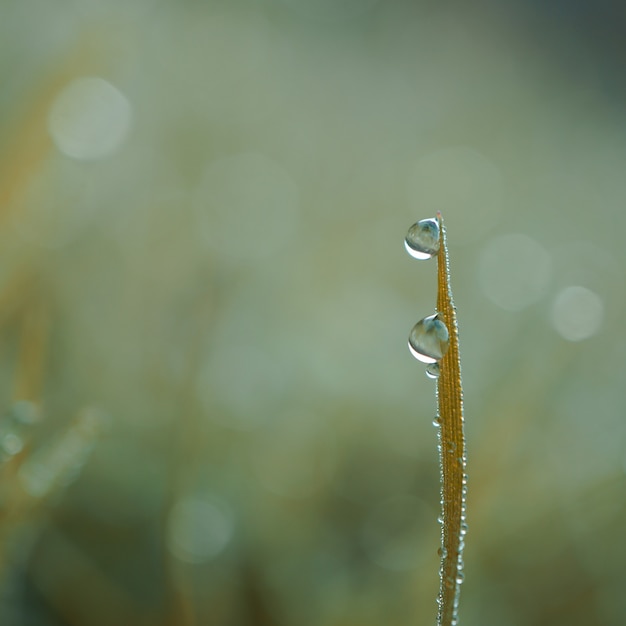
[433, 370]
[429, 339]
[460, 577]
[422, 239]
[436, 422]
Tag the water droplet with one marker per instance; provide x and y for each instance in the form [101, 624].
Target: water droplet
[422, 239]
[429, 339]
[460, 577]
[433, 370]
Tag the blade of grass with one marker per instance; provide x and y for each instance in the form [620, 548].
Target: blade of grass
[451, 448]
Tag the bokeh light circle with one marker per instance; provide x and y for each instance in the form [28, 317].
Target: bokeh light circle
[577, 313]
[199, 529]
[514, 271]
[89, 119]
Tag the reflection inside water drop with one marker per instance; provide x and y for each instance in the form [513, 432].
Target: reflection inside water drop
[433, 370]
[429, 339]
[422, 239]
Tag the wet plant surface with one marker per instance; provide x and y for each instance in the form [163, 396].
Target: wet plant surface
[435, 341]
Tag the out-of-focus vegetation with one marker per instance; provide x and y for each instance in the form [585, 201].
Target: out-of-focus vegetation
[210, 414]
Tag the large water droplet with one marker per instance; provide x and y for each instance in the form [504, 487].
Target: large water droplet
[433, 370]
[422, 240]
[429, 339]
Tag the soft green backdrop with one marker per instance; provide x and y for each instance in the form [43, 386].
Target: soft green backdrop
[212, 417]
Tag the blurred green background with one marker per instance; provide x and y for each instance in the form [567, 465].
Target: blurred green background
[210, 413]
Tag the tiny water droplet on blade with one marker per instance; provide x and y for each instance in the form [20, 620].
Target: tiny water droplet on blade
[429, 339]
[433, 370]
[422, 239]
